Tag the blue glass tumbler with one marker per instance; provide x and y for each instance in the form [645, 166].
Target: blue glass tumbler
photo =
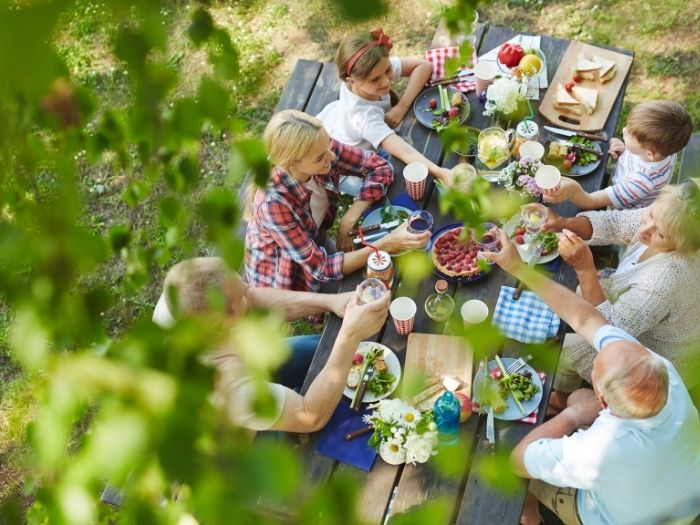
[447, 411]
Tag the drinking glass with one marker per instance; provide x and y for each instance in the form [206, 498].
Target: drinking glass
[533, 215]
[420, 221]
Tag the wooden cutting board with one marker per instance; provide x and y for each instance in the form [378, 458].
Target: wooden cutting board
[439, 355]
[607, 93]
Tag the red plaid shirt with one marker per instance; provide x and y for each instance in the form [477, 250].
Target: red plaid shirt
[281, 251]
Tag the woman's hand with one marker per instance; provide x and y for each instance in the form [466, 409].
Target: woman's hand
[617, 147]
[362, 321]
[554, 222]
[575, 252]
[395, 115]
[347, 224]
[401, 239]
[508, 257]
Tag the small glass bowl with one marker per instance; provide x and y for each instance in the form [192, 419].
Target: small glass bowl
[370, 290]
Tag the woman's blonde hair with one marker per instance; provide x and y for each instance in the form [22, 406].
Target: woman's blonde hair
[681, 217]
[365, 63]
[289, 136]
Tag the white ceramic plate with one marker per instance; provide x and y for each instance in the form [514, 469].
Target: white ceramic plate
[512, 411]
[523, 249]
[394, 368]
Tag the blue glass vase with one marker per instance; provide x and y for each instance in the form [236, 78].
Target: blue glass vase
[447, 409]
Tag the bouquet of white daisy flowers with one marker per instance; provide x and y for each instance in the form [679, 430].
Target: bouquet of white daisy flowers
[402, 433]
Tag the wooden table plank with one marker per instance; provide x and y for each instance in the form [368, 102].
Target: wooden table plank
[301, 83]
[326, 89]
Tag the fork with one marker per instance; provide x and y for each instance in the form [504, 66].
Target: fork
[518, 364]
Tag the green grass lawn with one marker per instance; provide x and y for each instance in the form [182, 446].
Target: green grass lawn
[271, 36]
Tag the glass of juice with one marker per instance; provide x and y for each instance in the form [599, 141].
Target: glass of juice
[420, 221]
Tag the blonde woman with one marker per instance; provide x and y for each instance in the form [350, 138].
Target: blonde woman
[651, 294]
[286, 245]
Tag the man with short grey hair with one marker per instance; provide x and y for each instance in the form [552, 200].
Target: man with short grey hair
[626, 452]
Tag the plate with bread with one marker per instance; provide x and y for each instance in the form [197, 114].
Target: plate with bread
[585, 87]
[573, 157]
[385, 372]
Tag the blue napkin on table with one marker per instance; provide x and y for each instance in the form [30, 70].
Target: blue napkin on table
[527, 320]
[402, 199]
[332, 442]
[552, 266]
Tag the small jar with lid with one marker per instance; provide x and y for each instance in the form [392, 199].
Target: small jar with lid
[524, 131]
[379, 266]
[440, 306]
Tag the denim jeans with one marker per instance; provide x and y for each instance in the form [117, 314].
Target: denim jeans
[292, 373]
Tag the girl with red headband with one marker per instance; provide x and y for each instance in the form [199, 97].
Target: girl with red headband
[364, 115]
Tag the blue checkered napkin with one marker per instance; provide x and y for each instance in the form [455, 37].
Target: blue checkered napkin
[527, 320]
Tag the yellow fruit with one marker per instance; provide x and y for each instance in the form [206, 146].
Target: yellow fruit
[535, 217]
[530, 64]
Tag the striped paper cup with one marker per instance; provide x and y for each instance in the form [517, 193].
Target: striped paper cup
[415, 174]
[403, 312]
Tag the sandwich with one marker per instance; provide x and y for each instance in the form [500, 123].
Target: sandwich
[587, 97]
[566, 103]
[586, 69]
[608, 68]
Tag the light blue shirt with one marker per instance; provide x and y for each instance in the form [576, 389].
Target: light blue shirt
[629, 471]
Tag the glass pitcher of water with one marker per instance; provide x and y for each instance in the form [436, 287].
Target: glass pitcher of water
[493, 148]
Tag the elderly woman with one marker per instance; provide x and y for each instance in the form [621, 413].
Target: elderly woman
[652, 294]
[286, 245]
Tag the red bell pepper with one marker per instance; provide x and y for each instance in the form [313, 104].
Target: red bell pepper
[510, 54]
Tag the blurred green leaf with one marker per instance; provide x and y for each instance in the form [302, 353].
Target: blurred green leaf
[201, 27]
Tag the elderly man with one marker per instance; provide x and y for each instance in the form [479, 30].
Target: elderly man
[638, 460]
[194, 281]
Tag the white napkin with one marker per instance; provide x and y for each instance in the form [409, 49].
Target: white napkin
[537, 82]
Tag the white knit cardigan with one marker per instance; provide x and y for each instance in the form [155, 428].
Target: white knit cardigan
[658, 302]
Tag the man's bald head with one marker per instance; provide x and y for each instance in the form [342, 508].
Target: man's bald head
[631, 380]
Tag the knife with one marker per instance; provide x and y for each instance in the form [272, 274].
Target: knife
[360, 393]
[372, 237]
[374, 227]
[358, 433]
[602, 136]
[580, 148]
[490, 427]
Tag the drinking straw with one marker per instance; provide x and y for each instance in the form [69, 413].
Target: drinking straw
[364, 243]
[531, 116]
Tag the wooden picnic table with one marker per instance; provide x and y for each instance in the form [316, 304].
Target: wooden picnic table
[312, 86]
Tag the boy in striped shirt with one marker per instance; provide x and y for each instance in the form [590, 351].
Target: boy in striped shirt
[655, 132]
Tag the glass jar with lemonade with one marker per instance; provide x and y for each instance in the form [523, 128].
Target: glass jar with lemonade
[493, 147]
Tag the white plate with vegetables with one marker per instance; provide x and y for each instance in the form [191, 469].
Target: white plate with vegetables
[526, 381]
[384, 380]
[515, 230]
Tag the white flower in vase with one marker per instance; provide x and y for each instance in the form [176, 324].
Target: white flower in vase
[392, 452]
[419, 447]
[504, 95]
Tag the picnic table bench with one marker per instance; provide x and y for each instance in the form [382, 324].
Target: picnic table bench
[313, 85]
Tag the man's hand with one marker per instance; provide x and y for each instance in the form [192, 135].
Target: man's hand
[400, 240]
[617, 148]
[339, 302]
[575, 252]
[364, 320]
[508, 257]
[395, 115]
[567, 189]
